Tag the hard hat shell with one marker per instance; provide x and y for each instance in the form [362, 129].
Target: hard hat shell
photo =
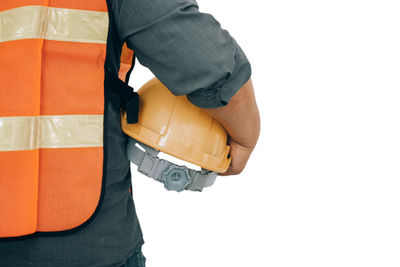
[173, 125]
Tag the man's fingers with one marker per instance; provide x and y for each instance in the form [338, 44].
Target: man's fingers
[240, 156]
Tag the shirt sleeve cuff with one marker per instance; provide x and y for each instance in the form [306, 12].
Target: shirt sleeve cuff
[222, 91]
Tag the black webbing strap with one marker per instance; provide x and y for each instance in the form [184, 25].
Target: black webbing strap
[128, 74]
[129, 98]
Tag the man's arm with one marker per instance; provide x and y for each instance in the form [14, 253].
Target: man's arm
[241, 119]
[192, 55]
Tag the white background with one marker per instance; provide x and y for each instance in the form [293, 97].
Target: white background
[323, 186]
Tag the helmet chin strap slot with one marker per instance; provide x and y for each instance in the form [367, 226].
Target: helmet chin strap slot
[174, 177]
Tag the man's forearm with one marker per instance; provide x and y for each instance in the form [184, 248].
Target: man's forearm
[241, 119]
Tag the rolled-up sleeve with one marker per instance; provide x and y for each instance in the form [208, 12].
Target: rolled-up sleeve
[187, 50]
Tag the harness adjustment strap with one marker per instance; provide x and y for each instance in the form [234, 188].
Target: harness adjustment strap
[174, 177]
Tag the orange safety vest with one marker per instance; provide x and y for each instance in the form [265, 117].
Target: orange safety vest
[52, 104]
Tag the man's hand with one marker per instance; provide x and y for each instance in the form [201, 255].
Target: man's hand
[241, 119]
[239, 155]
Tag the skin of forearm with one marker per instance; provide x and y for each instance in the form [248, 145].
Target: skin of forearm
[240, 117]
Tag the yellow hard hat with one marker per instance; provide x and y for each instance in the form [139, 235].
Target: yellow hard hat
[173, 125]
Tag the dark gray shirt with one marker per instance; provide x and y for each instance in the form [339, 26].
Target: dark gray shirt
[192, 55]
[186, 49]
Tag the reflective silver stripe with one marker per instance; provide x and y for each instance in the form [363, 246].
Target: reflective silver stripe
[27, 133]
[60, 24]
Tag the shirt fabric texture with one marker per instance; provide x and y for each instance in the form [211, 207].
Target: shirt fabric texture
[192, 55]
[187, 50]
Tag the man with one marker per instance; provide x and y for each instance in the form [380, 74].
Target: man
[187, 51]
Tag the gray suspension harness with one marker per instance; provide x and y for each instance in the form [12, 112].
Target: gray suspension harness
[174, 177]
